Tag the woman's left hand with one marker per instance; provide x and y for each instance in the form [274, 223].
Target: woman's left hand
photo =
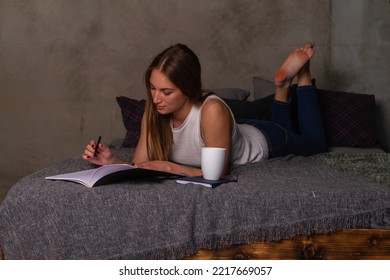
[170, 167]
[159, 165]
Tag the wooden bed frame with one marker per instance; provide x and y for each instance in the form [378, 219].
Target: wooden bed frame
[352, 244]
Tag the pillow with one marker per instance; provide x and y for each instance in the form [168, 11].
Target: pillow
[132, 112]
[231, 93]
[259, 109]
[349, 118]
[262, 87]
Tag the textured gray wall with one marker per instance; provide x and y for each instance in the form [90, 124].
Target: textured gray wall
[62, 62]
[360, 51]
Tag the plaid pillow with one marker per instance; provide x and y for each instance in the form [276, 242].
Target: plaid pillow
[349, 118]
[132, 112]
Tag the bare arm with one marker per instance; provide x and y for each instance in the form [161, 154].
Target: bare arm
[216, 128]
[141, 152]
[142, 160]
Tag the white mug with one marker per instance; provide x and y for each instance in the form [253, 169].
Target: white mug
[212, 162]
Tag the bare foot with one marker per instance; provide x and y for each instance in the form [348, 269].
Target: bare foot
[296, 64]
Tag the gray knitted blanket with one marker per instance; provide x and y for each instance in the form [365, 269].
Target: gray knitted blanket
[150, 219]
[375, 166]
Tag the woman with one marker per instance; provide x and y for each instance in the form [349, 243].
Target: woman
[180, 119]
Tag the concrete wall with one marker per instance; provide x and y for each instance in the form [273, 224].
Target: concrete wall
[360, 54]
[62, 62]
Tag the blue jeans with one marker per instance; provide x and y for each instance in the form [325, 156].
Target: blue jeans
[282, 138]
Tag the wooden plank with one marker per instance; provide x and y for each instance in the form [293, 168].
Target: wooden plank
[354, 244]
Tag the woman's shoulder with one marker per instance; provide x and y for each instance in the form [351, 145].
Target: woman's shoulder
[212, 98]
[214, 106]
[216, 114]
[214, 101]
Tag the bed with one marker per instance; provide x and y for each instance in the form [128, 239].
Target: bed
[276, 201]
[334, 205]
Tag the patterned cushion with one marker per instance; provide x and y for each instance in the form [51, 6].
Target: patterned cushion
[132, 112]
[349, 118]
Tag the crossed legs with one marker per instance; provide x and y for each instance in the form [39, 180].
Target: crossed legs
[312, 138]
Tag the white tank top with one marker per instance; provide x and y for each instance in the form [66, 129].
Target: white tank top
[248, 143]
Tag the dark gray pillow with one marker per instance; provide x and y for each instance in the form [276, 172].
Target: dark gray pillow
[262, 87]
[259, 109]
[231, 93]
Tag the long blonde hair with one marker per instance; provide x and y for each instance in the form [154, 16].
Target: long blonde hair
[181, 65]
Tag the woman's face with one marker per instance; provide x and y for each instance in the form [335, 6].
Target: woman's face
[168, 98]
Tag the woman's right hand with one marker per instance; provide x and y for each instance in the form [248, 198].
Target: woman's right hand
[103, 154]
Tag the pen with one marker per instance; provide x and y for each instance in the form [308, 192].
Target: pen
[97, 147]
